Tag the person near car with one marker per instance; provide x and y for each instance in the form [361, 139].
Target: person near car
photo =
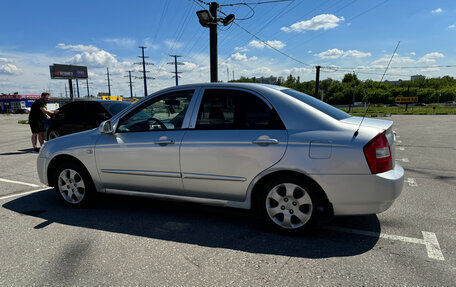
[38, 113]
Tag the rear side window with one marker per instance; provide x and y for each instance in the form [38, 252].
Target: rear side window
[224, 109]
[317, 104]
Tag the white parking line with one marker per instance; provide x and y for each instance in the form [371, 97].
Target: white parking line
[403, 159]
[19, 182]
[411, 182]
[23, 193]
[402, 148]
[429, 239]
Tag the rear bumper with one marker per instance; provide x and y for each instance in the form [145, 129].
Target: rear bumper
[362, 194]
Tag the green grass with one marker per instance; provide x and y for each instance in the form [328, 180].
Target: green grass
[381, 111]
[23, 122]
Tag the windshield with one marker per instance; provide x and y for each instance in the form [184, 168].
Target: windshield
[317, 104]
[115, 107]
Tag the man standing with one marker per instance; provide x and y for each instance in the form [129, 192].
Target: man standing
[38, 113]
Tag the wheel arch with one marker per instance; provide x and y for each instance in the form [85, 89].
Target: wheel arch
[56, 161]
[256, 190]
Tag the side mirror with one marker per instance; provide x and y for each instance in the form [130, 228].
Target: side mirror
[106, 127]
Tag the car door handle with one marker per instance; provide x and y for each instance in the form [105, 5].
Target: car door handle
[164, 142]
[265, 141]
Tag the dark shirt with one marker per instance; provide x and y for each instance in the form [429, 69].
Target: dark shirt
[36, 115]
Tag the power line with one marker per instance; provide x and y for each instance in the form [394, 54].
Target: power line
[270, 46]
[387, 66]
[256, 3]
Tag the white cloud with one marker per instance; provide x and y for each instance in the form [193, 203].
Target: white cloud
[150, 44]
[171, 44]
[323, 21]
[242, 57]
[78, 48]
[430, 58]
[275, 44]
[356, 54]
[9, 69]
[413, 53]
[91, 56]
[122, 42]
[5, 60]
[437, 11]
[336, 53]
[452, 26]
[241, 49]
[397, 59]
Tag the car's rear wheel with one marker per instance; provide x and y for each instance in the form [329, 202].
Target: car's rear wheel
[289, 205]
[53, 134]
[74, 185]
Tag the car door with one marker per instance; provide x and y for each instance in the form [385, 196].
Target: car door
[143, 153]
[236, 135]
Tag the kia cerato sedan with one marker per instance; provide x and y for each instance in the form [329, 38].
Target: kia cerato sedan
[292, 158]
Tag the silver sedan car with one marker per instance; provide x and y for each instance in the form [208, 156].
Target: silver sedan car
[292, 158]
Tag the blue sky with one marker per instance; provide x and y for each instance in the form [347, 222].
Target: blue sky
[343, 35]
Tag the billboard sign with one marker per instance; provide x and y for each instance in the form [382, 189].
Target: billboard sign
[406, 100]
[68, 72]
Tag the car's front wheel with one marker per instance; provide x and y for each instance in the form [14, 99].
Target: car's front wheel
[74, 185]
[289, 205]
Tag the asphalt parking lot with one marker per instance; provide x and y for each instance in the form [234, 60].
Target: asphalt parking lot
[129, 241]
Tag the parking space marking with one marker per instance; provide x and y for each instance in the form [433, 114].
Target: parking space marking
[403, 159]
[402, 148]
[23, 193]
[411, 182]
[429, 239]
[19, 182]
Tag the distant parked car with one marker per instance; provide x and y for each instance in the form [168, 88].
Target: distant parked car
[421, 104]
[394, 105]
[293, 159]
[79, 116]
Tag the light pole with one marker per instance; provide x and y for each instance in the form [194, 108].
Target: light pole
[209, 20]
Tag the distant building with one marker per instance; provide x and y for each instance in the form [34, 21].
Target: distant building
[14, 102]
[417, 77]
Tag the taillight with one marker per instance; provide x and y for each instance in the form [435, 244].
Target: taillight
[378, 154]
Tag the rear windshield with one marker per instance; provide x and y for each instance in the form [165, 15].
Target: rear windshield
[317, 104]
[115, 107]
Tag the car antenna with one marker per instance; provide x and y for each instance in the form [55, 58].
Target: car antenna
[367, 108]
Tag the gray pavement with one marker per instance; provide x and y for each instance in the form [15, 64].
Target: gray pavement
[130, 241]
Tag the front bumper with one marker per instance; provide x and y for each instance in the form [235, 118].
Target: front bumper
[362, 194]
[41, 166]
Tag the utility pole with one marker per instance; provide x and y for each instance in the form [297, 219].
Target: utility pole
[130, 84]
[227, 74]
[213, 6]
[209, 20]
[175, 68]
[66, 93]
[317, 81]
[70, 87]
[144, 63]
[109, 83]
[77, 87]
[87, 84]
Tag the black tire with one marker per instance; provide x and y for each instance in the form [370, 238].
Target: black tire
[52, 134]
[290, 205]
[73, 185]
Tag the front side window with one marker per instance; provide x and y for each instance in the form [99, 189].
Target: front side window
[235, 109]
[165, 112]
